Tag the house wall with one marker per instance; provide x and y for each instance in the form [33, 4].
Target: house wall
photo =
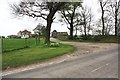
[25, 32]
[58, 34]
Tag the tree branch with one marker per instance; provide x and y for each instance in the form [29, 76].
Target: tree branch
[65, 16]
[105, 3]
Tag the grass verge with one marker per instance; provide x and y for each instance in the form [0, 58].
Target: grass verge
[33, 54]
[16, 44]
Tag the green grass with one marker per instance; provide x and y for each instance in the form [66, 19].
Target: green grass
[10, 44]
[34, 54]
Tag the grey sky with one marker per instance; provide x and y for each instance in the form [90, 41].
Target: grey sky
[9, 24]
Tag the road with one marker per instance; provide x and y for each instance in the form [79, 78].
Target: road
[102, 64]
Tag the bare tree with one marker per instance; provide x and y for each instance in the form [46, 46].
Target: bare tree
[40, 31]
[97, 29]
[108, 25]
[90, 20]
[102, 5]
[70, 16]
[113, 9]
[39, 9]
[86, 17]
[119, 25]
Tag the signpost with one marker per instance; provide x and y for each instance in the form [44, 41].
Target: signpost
[1, 51]
[37, 36]
[1, 45]
[36, 39]
[25, 36]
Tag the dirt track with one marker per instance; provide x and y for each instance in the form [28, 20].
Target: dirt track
[87, 48]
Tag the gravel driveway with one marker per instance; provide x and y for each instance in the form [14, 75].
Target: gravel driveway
[88, 48]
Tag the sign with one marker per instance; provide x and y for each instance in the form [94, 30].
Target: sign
[25, 36]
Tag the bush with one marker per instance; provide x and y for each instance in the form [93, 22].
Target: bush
[26, 46]
[107, 39]
[88, 37]
[54, 44]
[72, 38]
[97, 38]
[64, 38]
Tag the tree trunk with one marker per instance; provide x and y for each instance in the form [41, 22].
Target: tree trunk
[116, 20]
[76, 32]
[48, 28]
[103, 29]
[116, 32]
[71, 24]
[118, 27]
[71, 31]
[85, 33]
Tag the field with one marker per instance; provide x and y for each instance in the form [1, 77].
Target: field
[11, 44]
[34, 54]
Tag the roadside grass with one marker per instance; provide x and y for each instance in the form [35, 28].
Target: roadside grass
[11, 44]
[34, 54]
[97, 39]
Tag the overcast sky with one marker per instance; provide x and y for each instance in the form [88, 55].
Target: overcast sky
[10, 24]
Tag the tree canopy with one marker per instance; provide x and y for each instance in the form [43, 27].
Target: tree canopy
[70, 14]
[39, 9]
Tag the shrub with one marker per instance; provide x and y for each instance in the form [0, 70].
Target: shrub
[97, 38]
[71, 38]
[88, 37]
[26, 47]
[107, 39]
[54, 44]
[64, 38]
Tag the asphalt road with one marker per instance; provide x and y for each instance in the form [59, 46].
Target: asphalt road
[99, 65]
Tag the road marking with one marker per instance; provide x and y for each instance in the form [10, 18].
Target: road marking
[100, 67]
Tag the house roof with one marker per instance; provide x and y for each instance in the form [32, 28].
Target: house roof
[25, 31]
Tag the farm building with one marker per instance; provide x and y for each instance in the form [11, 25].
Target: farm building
[56, 34]
[24, 33]
[12, 36]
